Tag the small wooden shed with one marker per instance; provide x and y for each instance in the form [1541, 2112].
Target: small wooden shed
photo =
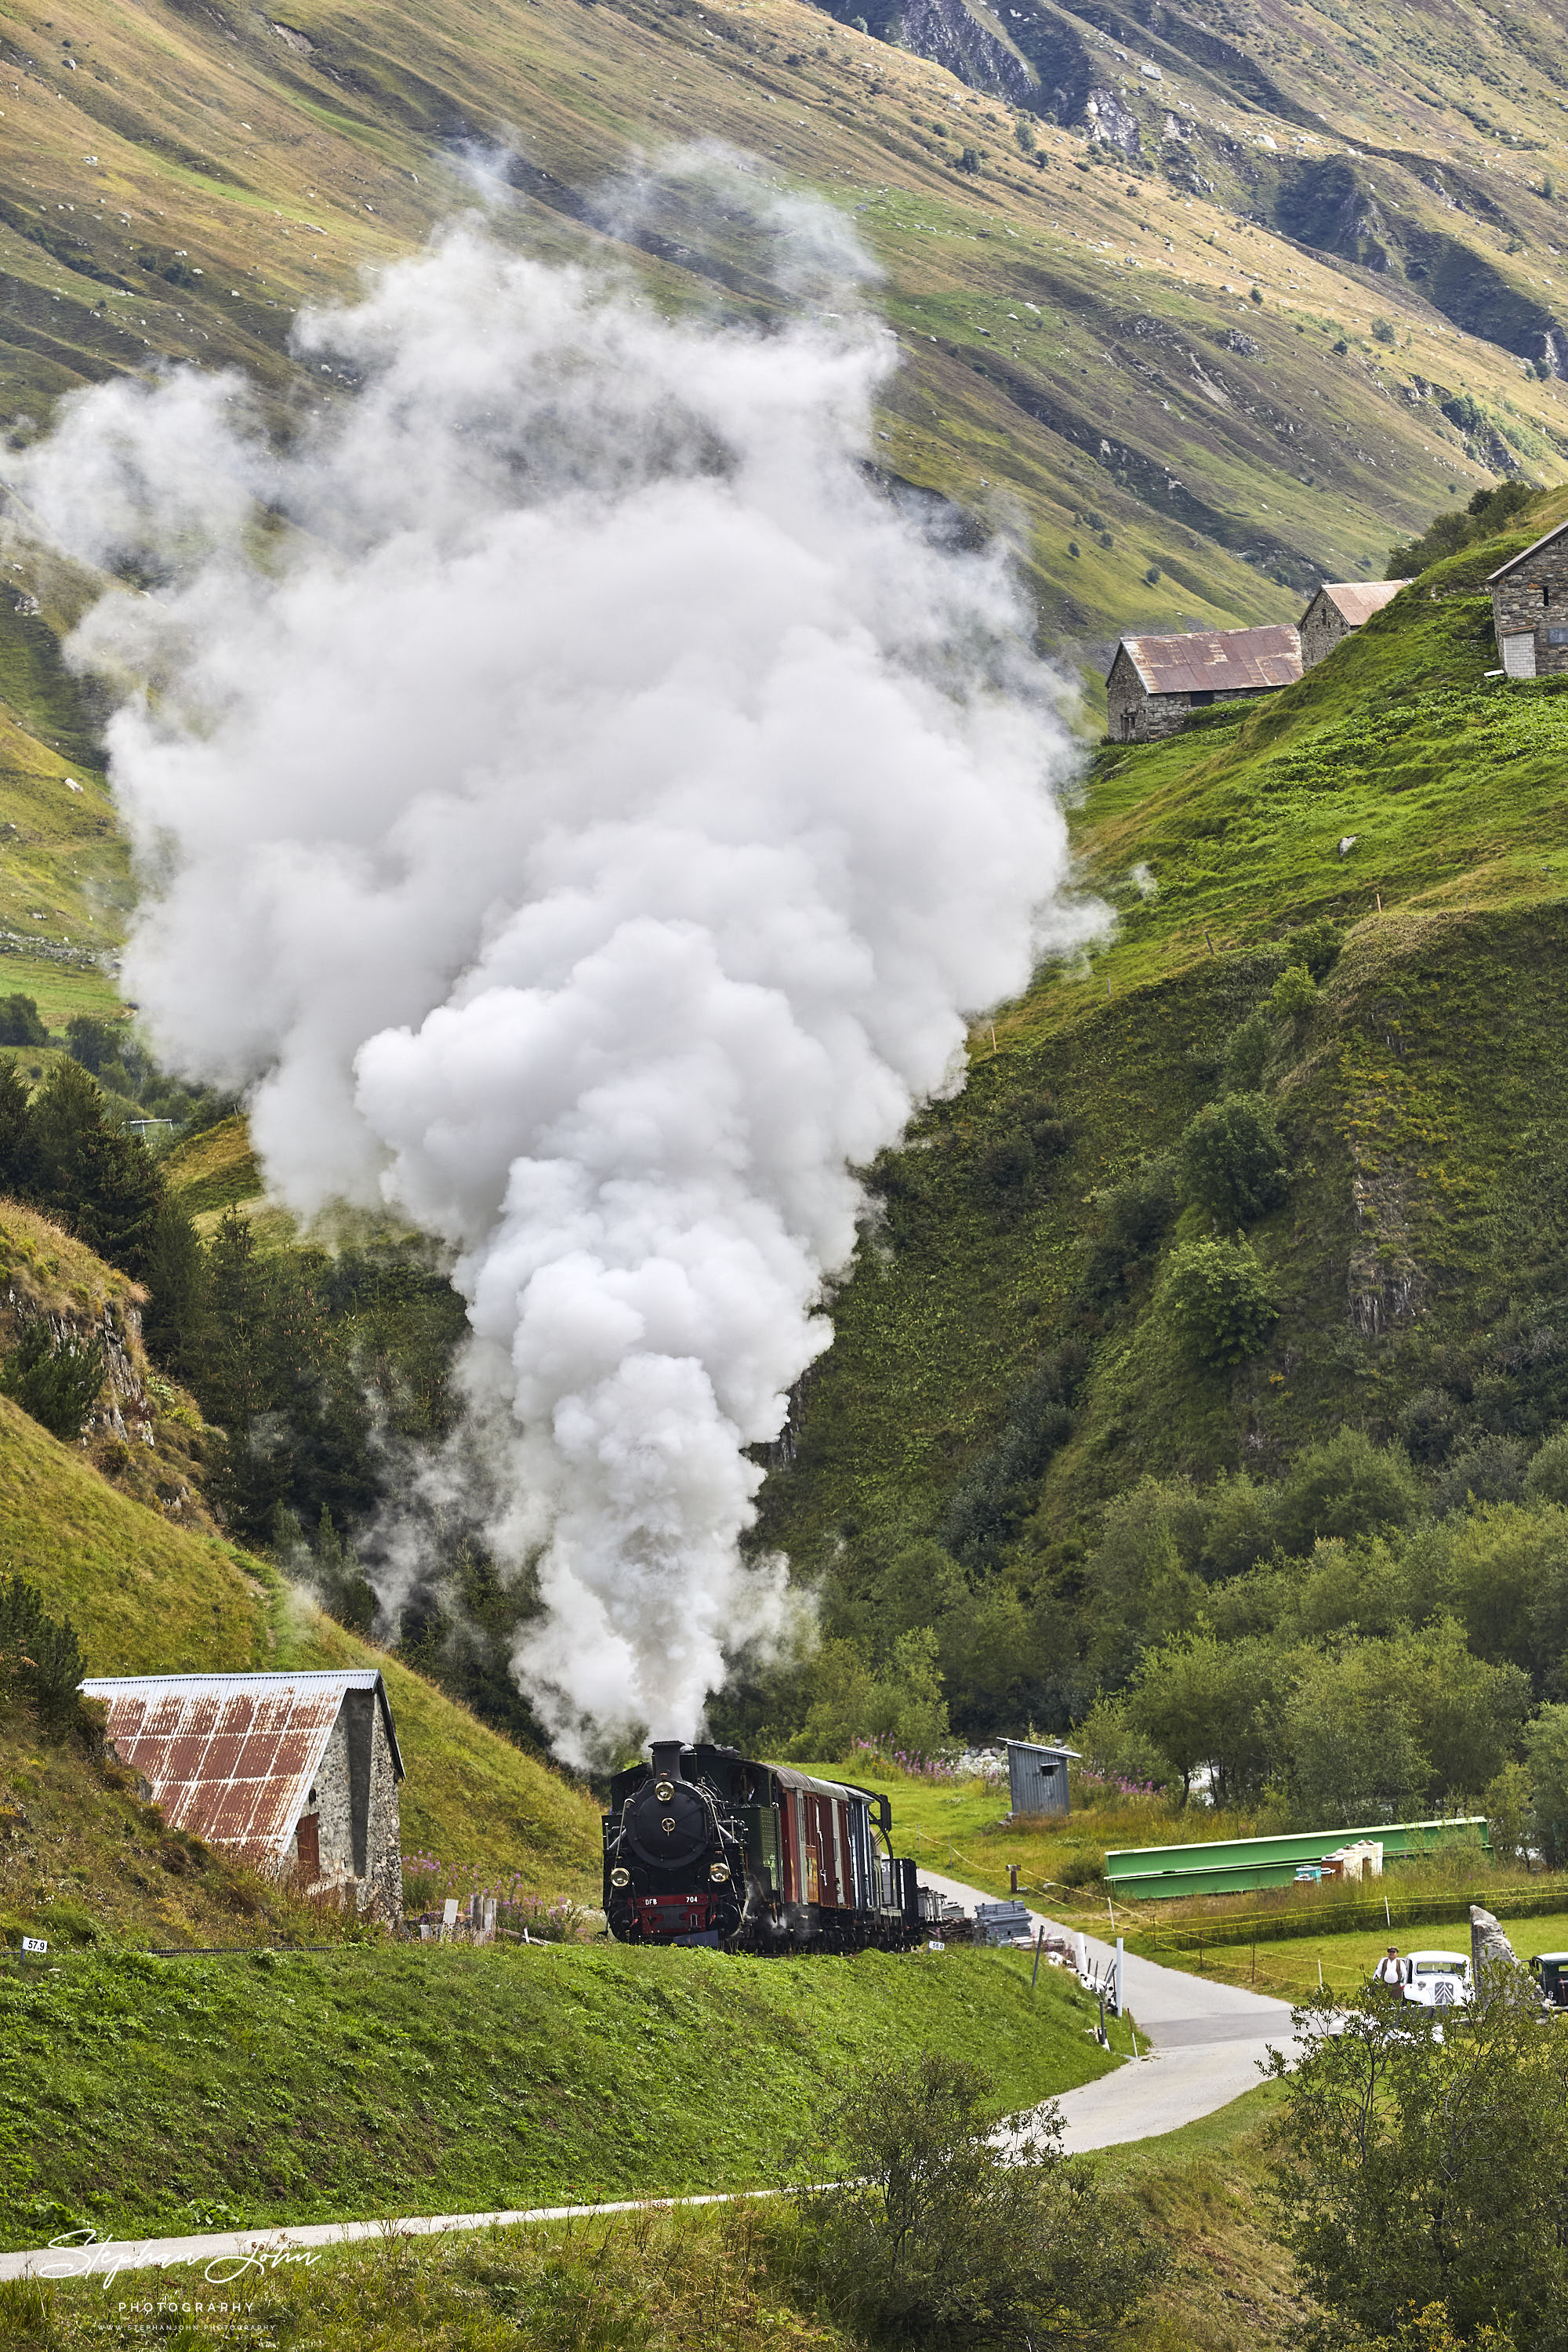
[297, 1772]
[1530, 607]
[1155, 684]
[1340, 606]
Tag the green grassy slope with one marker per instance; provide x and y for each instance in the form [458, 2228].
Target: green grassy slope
[441, 2079]
[146, 1597]
[1422, 1104]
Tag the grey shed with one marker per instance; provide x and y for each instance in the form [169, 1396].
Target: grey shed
[1037, 1777]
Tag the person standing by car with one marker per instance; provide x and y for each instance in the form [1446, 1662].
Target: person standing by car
[1392, 1970]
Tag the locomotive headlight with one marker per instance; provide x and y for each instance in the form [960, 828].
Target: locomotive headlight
[664, 1791]
[718, 1872]
[620, 1878]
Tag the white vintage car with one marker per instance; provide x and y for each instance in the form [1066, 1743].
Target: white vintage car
[1438, 1980]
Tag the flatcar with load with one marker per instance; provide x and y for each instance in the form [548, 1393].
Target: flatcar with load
[704, 1846]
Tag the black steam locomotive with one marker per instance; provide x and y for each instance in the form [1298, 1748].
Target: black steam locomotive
[703, 1847]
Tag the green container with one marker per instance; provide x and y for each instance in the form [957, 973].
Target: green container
[1239, 1865]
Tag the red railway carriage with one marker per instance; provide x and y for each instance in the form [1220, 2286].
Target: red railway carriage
[703, 1846]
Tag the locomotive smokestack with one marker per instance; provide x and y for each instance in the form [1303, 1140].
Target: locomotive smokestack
[666, 1756]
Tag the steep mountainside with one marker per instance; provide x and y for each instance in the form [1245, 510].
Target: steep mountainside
[1234, 298]
[1010, 1350]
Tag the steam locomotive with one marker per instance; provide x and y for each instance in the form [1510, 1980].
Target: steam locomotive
[702, 1846]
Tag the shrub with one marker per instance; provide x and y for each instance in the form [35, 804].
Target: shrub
[1073, 548]
[1218, 1297]
[1106, 540]
[1316, 945]
[1484, 1469]
[1382, 331]
[1007, 1168]
[20, 1024]
[40, 1658]
[1230, 1161]
[1023, 133]
[1346, 1487]
[1546, 1480]
[1152, 575]
[1418, 2169]
[1256, 295]
[970, 159]
[1294, 995]
[53, 1378]
[1131, 1216]
[940, 2238]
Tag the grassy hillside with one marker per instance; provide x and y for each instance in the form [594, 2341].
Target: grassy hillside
[1419, 1096]
[715, 2282]
[440, 2079]
[146, 1596]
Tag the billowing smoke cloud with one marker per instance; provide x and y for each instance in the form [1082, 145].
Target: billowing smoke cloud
[583, 809]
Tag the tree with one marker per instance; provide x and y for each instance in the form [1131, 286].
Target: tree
[20, 1024]
[99, 1184]
[1419, 2165]
[1348, 1739]
[1345, 1486]
[1230, 1161]
[40, 1657]
[1219, 1298]
[173, 1322]
[936, 2239]
[21, 1162]
[55, 1377]
[1546, 1762]
[1203, 1702]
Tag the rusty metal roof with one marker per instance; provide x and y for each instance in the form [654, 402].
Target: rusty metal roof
[1206, 660]
[1358, 600]
[1526, 553]
[231, 1757]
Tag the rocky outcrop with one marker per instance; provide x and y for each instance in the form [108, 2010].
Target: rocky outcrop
[1490, 1951]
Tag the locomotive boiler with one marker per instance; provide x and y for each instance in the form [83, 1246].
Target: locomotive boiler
[703, 1846]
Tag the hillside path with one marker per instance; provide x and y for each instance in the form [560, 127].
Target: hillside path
[1205, 2043]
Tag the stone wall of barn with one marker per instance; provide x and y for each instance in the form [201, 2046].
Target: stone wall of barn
[1323, 626]
[1135, 716]
[352, 1803]
[1529, 611]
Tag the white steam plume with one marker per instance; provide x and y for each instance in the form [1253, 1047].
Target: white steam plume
[583, 809]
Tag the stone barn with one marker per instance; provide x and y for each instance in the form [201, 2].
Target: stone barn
[296, 1772]
[1155, 684]
[1340, 606]
[1530, 608]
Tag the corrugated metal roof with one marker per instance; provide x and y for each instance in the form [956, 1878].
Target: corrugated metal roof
[231, 1757]
[1225, 660]
[1526, 553]
[1358, 600]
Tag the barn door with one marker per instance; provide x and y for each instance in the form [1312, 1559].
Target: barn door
[308, 1844]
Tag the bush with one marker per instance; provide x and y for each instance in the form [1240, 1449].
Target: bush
[1230, 1161]
[1131, 1216]
[40, 1658]
[1484, 1469]
[970, 159]
[940, 2241]
[54, 1377]
[1294, 995]
[1546, 1480]
[1418, 2169]
[20, 1024]
[1316, 945]
[1152, 575]
[1007, 1168]
[1346, 1487]
[1218, 1297]
[1382, 331]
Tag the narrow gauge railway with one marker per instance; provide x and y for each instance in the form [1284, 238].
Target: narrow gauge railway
[703, 1846]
